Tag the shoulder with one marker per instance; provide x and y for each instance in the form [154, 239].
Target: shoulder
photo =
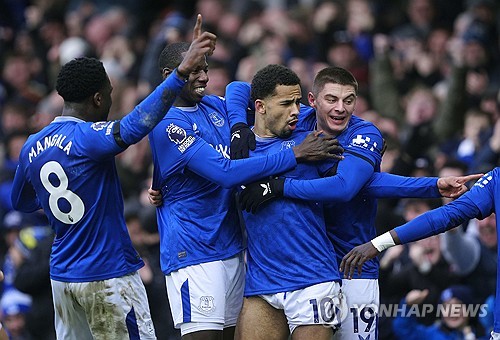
[212, 100]
[358, 125]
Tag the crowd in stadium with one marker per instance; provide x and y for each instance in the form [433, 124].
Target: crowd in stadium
[429, 79]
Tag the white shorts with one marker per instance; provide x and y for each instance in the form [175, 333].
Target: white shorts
[362, 298]
[207, 296]
[109, 309]
[319, 304]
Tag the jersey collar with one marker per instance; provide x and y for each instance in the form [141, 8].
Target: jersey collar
[62, 119]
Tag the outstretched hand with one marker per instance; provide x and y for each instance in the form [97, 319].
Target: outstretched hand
[454, 186]
[203, 45]
[316, 148]
[356, 258]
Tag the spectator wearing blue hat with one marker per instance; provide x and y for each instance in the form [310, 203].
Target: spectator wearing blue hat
[14, 306]
[457, 322]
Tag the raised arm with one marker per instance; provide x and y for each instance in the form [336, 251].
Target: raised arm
[153, 108]
[237, 102]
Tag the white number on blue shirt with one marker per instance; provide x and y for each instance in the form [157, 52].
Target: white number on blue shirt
[61, 192]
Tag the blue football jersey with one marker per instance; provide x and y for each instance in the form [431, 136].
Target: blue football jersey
[68, 169]
[288, 248]
[70, 165]
[198, 221]
[351, 221]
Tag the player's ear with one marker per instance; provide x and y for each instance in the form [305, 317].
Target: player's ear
[260, 106]
[165, 72]
[97, 99]
[311, 99]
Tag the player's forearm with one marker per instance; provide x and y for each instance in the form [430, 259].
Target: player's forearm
[237, 101]
[385, 185]
[438, 220]
[350, 178]
[149, 112]
[230, 173]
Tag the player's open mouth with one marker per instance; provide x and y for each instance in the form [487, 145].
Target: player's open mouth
[292, 124]
[200, 90]
[337, 119]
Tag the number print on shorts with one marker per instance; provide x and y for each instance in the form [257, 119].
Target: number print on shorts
[326, 308]
[61, 192]
[367, 315]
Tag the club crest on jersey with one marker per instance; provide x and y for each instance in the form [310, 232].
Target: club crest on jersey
[287, 144]
[364, 142]
[178, 135]
[207, 304]
[216, 119]
[98, 126]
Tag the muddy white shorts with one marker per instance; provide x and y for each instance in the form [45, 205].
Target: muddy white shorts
[207, 296]
[109, 309]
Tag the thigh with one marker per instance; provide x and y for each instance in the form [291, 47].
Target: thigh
[361, 319]
[116, 308]
[69, 319]
[258, 320]
[312, 332]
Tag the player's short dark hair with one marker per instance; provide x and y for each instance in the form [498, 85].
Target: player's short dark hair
[265, 80]
[171, 55]
[81, 78]
[334, 75]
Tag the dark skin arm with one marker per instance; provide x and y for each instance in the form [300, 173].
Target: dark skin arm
[359, 255]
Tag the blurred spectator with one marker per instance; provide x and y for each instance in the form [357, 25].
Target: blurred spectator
[421, 267]
[33, 278]
[456, 322]
[466, 146]
[13, 144]
[473, 254]
[14, 308]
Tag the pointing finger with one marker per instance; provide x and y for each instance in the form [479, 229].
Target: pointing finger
[197, 27]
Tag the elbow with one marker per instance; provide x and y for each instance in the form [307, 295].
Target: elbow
[345, 195]
[223, 182]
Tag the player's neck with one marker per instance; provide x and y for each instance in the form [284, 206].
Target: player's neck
[71, 111]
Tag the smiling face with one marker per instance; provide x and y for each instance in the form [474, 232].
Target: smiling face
[334, 106]
[194, 90]
[278, 113]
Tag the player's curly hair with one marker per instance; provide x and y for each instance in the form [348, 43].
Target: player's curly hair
[171, 55]
[81, 78]
[265, 80]
[334, 75]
